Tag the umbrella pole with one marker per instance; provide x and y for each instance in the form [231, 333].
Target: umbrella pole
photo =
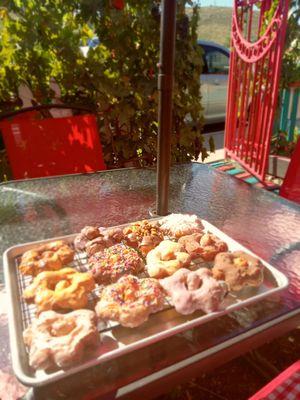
[165, 87]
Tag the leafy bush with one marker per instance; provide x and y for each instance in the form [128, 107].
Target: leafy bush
[117, 79]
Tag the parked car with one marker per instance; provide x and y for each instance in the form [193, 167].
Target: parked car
[214, 81]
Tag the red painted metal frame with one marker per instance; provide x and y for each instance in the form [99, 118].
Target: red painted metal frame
[255, 63]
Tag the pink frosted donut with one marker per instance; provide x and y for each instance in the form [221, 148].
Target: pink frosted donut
[194, 290]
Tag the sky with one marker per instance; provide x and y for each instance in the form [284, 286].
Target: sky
[218, 3]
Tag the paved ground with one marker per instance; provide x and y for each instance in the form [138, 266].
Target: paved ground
[219, 146]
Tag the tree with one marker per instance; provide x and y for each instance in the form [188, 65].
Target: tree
[117, 79]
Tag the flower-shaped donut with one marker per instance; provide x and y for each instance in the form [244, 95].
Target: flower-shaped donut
[194, 290]
[204, 245]
[109, 265]
[166, 259]
[177, 225]
[143, 235]
[92, 239]
[48, 257]
[60, 339]
[238, 270]
[60, 290]
[130, 301]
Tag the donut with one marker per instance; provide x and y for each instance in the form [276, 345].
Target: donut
[60, 340]
[177, 225]
[65, 289]
[51, 256]
[92, 239]
[109, 265]
[143, 235]
[86, 234]
[166, 259]
[238, 270]
[130, 301]
[204, 245]
[194, 290]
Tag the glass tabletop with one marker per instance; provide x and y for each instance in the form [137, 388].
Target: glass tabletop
[263, 222]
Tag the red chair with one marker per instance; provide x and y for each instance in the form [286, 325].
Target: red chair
[290, 188]
[286, 386]
[51, 146]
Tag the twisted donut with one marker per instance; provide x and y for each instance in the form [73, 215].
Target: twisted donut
[60, 339]
[194, 290]
[60, 290]
[166, 259]
[48, 257]
[130, 301]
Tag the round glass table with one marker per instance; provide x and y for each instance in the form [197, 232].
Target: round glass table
[261, 221]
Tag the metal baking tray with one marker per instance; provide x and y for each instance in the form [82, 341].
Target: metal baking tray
[116, 340]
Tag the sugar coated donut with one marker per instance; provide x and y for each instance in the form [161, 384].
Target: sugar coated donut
[194, 290]
[204, 245]
[109, 265]
[60, 290]
[166, 259]
[144, 235]
[60, 339]
[130, 301]
[48, 257]
[177, 225]
[238, 269]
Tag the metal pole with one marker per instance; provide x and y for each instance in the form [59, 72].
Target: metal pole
[165, 87]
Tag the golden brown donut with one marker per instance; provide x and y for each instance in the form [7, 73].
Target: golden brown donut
[204, 245]
[65, 289]
[130, 301]
[166, 259]
[177, 225]
[60, 339]
[238, 270]
[48, 257]
[143, 235]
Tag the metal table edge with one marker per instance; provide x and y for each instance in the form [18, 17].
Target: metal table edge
[156, 376]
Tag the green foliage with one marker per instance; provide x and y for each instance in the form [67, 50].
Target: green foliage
[281, 146]
[291, 60]
[118, 78]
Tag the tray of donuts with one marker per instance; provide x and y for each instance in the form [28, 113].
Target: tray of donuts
[79, 300]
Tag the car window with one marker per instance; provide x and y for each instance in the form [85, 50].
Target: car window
[217, 62]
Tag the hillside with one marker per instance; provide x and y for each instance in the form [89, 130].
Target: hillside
[215, 24]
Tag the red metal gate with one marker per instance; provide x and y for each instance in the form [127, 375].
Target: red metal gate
[257, 42]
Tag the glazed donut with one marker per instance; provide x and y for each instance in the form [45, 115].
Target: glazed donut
[60, 339]
[60, 290]
[48, 257]
[109, 265]
[204, 245]
[92, 239]
[194, 290]
[166, 259]
[130, 301]
[238, 270]
[143, 235]
[177, 225]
